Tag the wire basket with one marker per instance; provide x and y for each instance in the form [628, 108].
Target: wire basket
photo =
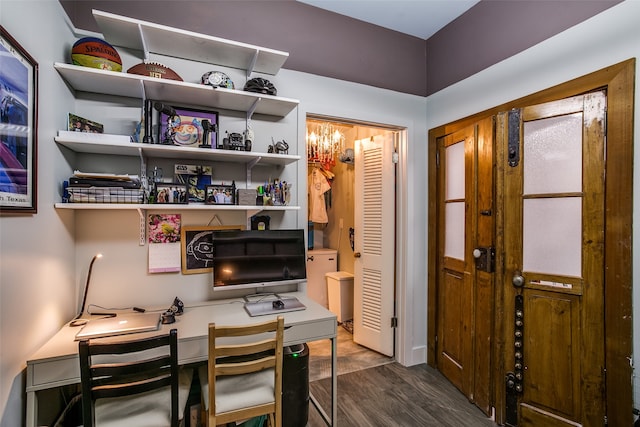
[104, 195]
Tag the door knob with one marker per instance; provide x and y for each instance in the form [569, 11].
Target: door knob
[477, 253]
[310, 258]
[357, 255]
[517, 280]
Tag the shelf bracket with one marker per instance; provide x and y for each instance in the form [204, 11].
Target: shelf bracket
[250, 166]
[142, 213]
[145, 48]
[253, 62]
[253, 108]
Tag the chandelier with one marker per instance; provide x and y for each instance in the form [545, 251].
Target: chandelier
[324, 143]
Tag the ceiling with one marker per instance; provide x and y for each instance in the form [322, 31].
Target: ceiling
[419, 18]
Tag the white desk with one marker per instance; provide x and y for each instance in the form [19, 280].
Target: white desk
[56, 363]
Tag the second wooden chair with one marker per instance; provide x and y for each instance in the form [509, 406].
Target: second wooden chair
[243, 378]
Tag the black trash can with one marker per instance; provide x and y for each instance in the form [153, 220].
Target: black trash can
[295, 386]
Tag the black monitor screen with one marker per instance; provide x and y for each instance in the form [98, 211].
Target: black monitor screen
[255, 258]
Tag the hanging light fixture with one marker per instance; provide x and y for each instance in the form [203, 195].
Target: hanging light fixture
[325, 142]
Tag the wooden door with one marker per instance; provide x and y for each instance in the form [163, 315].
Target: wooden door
[554, 262]
[374, 243]
[465, 255]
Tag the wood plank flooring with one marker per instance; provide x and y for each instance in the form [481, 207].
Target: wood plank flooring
[392, 395]
[374, 391]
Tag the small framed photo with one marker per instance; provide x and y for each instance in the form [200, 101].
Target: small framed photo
[80, 124]
[220, 195]
[188, 127]
[171, 193]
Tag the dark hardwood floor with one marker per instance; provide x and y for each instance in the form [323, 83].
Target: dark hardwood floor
[392, 395]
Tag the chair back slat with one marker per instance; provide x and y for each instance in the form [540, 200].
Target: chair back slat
[244, 349]
[245, 367]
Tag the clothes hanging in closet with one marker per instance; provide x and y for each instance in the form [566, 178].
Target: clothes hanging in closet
[318, 185]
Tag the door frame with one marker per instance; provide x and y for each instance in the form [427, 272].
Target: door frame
[402, 345]
[619, 81]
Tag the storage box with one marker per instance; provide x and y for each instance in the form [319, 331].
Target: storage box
[247, 197]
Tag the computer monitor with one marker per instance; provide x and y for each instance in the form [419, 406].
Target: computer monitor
[257, 258]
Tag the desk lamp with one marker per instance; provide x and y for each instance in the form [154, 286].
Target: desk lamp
[78, 321]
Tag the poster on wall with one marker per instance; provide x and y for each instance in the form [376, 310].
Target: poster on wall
[18, 127]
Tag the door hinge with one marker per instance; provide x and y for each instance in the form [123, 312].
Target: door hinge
[606, 421]
[394, 322]
[437, 159]
[395, 157]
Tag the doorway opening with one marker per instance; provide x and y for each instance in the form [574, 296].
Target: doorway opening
[334, 148]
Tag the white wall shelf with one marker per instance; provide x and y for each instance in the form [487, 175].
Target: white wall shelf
[89, 145]
[172, 207]
[150, 37]
[106, 82]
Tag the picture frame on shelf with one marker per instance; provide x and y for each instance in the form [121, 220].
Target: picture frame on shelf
[18, 127]
[220, 194]
[80, 124]
[188, 127]
[196, 177]
[170, 193]
[197, 250]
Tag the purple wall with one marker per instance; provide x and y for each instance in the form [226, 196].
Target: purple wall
[494, 30]
[332, 45]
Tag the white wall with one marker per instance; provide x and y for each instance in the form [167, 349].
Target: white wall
[608, 38]
[37, 255]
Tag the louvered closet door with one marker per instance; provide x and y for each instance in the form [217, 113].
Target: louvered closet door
[374, 241]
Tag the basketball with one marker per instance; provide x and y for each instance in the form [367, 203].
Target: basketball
[95, 53]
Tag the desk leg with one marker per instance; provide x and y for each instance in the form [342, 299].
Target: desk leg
[331, 421]
[334, 381]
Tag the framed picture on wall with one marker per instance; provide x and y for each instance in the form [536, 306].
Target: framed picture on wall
[197, 250]
[18, 127]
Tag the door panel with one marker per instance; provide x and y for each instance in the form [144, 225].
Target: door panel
[554, 213]
[466, 284]
[374, 243]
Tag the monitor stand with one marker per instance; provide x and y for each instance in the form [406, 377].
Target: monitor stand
[272, 304]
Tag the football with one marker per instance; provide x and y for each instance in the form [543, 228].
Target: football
[154, 69]
[95, 53]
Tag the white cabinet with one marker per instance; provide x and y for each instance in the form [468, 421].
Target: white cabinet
[154, 38]
[319, 263]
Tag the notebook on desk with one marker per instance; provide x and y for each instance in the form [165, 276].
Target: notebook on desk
[119, 325]
[273, 306]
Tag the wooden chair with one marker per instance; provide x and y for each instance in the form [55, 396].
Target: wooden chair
[121, 389]
[243, 377]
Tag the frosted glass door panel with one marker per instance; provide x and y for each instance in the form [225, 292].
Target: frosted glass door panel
[455, 171]
[553, 153]
[552, 236]
[454, 230]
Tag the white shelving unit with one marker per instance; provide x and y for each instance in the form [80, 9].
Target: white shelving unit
[149, 38]
[106, 82]
[80, 145]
